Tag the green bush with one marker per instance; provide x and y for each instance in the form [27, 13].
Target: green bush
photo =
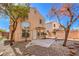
[2, 30]
[1, 38]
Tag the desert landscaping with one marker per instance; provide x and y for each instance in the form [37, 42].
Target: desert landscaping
[43, 47]
[30, 32]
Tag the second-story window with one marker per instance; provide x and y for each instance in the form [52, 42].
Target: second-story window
[54, 25]
[35, 11]
[40, 21]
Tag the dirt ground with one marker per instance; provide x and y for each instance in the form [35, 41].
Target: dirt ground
[55, 49]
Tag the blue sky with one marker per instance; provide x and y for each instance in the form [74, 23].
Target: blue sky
[4, 23]
[43, 8]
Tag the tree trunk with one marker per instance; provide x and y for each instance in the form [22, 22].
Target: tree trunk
[66, 36]
[12, 34]
[12, 38]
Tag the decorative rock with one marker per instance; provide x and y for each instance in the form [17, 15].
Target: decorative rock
[32, 55]
[1, 53]
[28, 54]
[71, 47]
[77, 43]
[18, 51]
[72, 52]
[77, 46]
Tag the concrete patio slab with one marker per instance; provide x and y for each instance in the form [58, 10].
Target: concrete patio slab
[41, 42]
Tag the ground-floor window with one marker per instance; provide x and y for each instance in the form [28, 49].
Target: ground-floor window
[41, 34]
[25, 33]
[25, 29]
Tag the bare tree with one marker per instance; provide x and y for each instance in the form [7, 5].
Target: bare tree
[69, 10]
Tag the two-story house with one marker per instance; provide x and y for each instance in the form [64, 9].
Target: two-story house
[31, 28]
[51, 27]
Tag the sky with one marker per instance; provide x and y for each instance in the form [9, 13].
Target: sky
[43, 8]
[4, 23]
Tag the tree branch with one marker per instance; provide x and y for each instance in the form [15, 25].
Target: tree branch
[73, 21]
[60, 23]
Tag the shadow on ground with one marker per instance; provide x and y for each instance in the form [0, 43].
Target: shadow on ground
[19, 48]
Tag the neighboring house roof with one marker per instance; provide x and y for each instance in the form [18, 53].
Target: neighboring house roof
[52, 22]
[57, 25]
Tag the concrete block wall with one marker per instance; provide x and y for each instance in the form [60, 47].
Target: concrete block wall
[72, 35]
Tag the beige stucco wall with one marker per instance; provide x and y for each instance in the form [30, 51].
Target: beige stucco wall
[17, 35]
[50, 26]
[61, 34]
[33, 19]
[73, 34]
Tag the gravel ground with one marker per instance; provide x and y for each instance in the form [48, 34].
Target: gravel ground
[52, 51]
[55, 49]
[6, 50]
